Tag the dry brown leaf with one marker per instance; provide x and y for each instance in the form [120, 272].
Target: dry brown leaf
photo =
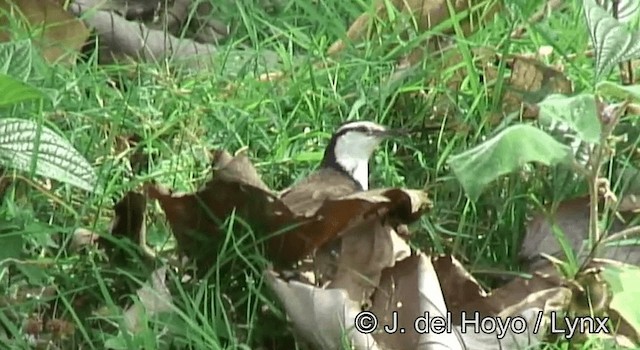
[195, 218]
[237, 169]
[364, 251]
[463, 293]
[426, 13]
[153, 298]
[530, 82]
[411, 288]
[236, 186]
[335, 216]
[82, 238]
[459, 288]
[520, 288]
[553, 299]
[572, 218]
[320, 317]
[128, 223]
[60, 35]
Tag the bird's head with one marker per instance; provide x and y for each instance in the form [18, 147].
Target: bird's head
[352, 145]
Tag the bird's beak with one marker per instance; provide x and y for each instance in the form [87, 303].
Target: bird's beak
[395, 132]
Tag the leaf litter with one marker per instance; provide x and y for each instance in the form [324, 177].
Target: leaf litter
[364, 265]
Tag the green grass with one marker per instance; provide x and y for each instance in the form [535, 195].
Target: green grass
[285, 126]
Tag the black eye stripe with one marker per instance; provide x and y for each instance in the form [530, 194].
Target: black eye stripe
[361, 128]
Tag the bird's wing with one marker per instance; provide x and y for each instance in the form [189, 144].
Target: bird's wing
[307, 196]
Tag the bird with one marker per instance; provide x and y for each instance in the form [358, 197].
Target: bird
[344, 168]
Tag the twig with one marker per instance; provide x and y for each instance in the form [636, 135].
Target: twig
[624, 234]
[596, 162]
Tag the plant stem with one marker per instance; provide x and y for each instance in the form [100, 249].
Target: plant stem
[624, 234]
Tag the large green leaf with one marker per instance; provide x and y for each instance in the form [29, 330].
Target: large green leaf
[22, 140]
[619, 92]
[16, 59]
[579, 113]
[13, 91]
[504, 153]
[613, 41]
[624, 282]
[627, 10]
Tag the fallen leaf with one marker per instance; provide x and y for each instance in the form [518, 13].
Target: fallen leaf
[153, 298]
[463, 293]
[236, 187]
[427, 14]
[128, 224]
[530, 82]
[82, 238]
[572, 219]
[364, 251]
[521, 298]
[459, 288]
[60, 35]
[237, 168]
[407, 291]
[195, 219]
[320, 317]
[411, 288]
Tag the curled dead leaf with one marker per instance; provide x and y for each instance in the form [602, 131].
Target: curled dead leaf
[411, 289]
[408, 296]
[236, 187]
[128, 223]
[320, 316]
[459, 288]
[362, 253]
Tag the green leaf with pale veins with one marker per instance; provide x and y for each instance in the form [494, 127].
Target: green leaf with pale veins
[612, 40]
[16, 59]
[504, 153]
[579, 113]
[624, 282]
[22, 140]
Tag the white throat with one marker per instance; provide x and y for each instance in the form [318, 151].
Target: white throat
[352, 152]
[358, 169]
